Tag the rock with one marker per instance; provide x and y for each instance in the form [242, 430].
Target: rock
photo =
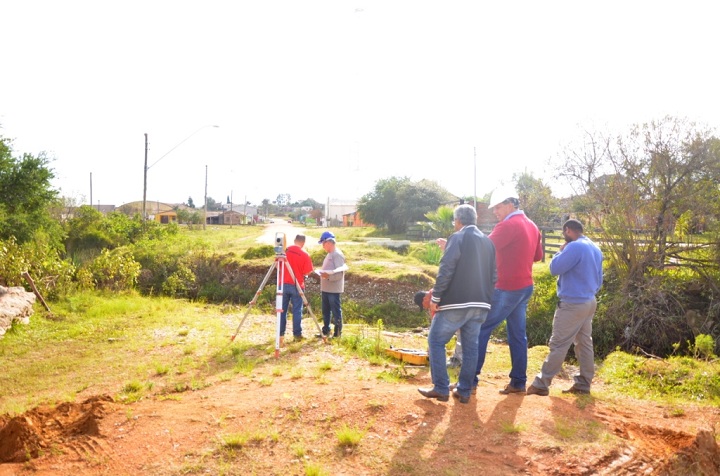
[16, 305]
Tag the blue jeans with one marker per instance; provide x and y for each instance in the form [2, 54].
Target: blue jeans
[331, 305]
[510, 306]
[442, 329]
[291, 295]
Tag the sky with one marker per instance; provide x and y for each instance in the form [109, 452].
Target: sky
[321, 99]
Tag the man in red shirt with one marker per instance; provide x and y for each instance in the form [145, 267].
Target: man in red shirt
[299, 261]
[517, 245]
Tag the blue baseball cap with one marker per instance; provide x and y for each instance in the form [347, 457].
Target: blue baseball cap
[327, 235]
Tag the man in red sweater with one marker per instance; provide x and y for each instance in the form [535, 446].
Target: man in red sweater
[517, 245]
[299, 260]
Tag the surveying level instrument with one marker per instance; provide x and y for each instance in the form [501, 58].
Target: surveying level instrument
[280, 243]
[281, 264]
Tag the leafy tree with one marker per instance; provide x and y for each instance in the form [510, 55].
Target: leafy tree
[283, 199]
[308, 202]
[190, 203]
[213, 205]
[397, 200]
[183, 215]
[86, 231]
[377, 206]
[418, 198]
[26, 196]
[646, 191]
[637, 186]
[189, 216]
[536, 199]
[316, 214]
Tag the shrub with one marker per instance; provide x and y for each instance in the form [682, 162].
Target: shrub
[52, 275]
[704, 347]
[541, 307]
[430, 254]
[317, 257]
[263, 251]
[115, 270]
[181, 283]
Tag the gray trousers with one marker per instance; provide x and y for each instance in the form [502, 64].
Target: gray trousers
[572, 324]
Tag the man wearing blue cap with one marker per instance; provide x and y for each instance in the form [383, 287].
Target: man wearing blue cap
[332, 284]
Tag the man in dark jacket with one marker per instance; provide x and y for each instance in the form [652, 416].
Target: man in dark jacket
[461, 300]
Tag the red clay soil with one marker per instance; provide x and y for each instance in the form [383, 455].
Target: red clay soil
[290, 411]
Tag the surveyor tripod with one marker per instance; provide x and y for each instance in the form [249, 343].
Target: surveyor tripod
[282, 266]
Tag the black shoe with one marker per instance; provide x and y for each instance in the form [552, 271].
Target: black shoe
[298, 338]
[462, 399]
[431, 393]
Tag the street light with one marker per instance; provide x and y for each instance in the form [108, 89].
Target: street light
[147, 167]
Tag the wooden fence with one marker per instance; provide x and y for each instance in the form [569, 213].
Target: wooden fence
[551, 238]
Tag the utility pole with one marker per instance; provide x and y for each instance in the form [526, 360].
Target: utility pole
[145, 169]
[205, 218]
[474, 179]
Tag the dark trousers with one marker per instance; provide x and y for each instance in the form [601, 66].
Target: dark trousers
[331, 306]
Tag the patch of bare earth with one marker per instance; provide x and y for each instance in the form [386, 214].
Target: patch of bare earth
[290, 410]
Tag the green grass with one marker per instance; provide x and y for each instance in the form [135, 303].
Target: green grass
[671, 380]
[234, 440]
[99, 343]
[348, 436]
[98, 340]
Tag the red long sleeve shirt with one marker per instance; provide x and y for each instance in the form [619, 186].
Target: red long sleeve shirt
[517, 246]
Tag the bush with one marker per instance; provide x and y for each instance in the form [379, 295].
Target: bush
[541, 307]
[430, 253]
[317, 257]
[53, 276]
[263, 251]
[181, 283]
[704, 347]
[115, 270]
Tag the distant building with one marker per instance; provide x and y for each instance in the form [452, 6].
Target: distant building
[353, 219]
[231, 217]
[169, 216]
[336, 209]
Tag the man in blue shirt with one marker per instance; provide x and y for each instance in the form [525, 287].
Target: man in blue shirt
[578, 266]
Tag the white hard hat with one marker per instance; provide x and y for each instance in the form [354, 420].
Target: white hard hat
[501, 194]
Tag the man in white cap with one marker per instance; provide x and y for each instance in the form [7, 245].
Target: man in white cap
[332, 284]
[518, 245]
